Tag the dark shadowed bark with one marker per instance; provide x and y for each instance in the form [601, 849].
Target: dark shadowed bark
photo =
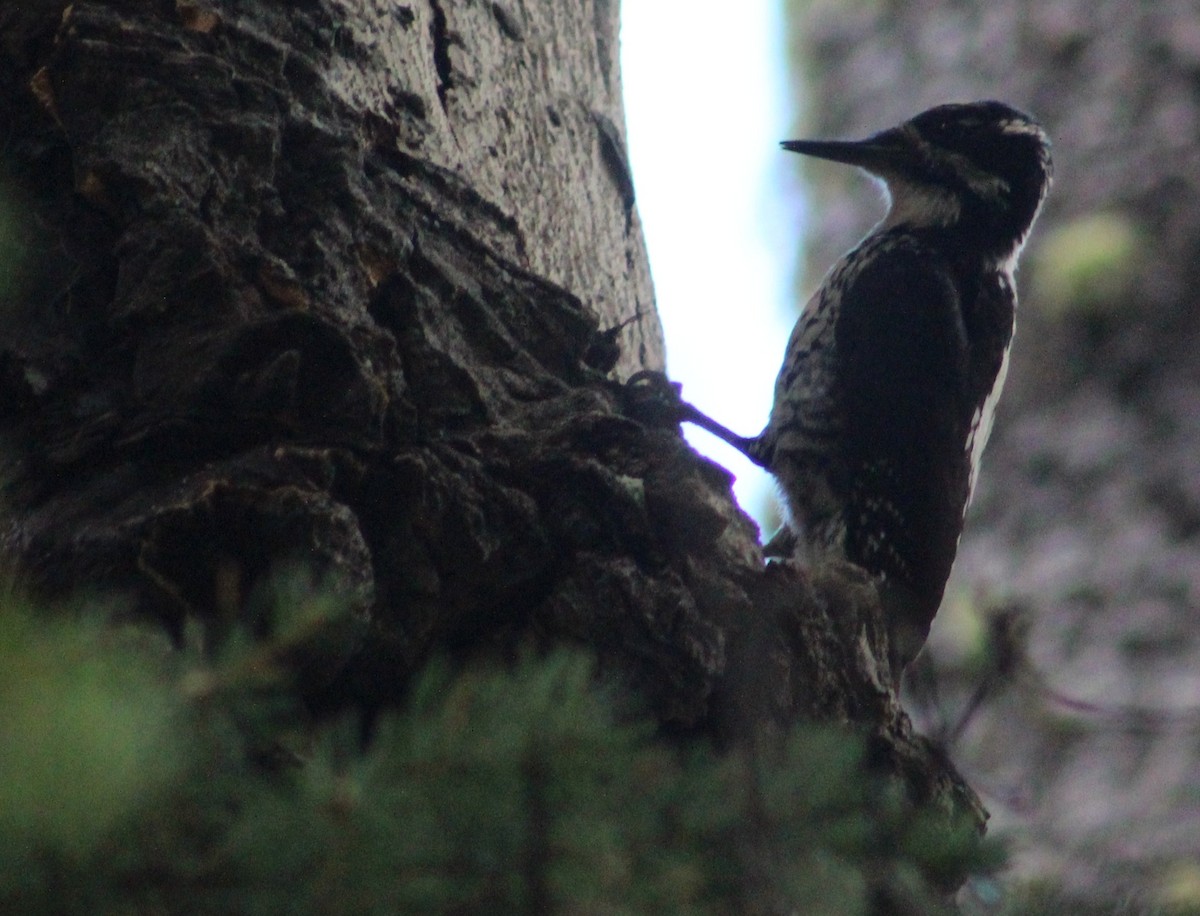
[326, 283]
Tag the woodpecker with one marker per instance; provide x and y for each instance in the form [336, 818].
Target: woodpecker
[885, 398]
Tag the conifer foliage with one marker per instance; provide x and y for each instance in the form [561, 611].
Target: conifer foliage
[135, 779]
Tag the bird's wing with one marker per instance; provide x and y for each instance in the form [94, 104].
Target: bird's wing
[902, 392]
[802, 417]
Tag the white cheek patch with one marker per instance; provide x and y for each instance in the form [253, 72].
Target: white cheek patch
[920, 205]
[930, 205]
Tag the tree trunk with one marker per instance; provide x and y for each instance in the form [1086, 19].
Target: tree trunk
[325, 283]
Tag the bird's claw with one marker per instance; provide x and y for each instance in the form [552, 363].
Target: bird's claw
[653, 399]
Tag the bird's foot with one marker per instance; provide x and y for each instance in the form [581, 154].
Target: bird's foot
[653, 399]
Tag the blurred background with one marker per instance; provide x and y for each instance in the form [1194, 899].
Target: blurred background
[1063, 674]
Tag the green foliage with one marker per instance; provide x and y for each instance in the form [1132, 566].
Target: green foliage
[86, 730]
[87, 733]
[1087, 266]
[136, 779]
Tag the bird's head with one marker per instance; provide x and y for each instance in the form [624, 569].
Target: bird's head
[980, 169]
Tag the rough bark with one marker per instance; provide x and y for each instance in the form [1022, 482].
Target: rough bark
[326, 282]
[1089, 499]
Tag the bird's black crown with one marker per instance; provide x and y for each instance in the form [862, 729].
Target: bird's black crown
[996, 157]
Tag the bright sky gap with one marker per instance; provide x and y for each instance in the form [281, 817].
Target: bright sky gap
[705, 109]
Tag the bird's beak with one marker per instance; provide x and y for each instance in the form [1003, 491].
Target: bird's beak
[885, 153]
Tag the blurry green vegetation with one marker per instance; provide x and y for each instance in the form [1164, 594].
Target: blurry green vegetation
[1087, 266]
[1179, 889]
[136, 777]
[139, 778]
[963, 637]
[85, 733]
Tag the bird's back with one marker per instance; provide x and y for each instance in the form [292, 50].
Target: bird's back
[877, 420]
